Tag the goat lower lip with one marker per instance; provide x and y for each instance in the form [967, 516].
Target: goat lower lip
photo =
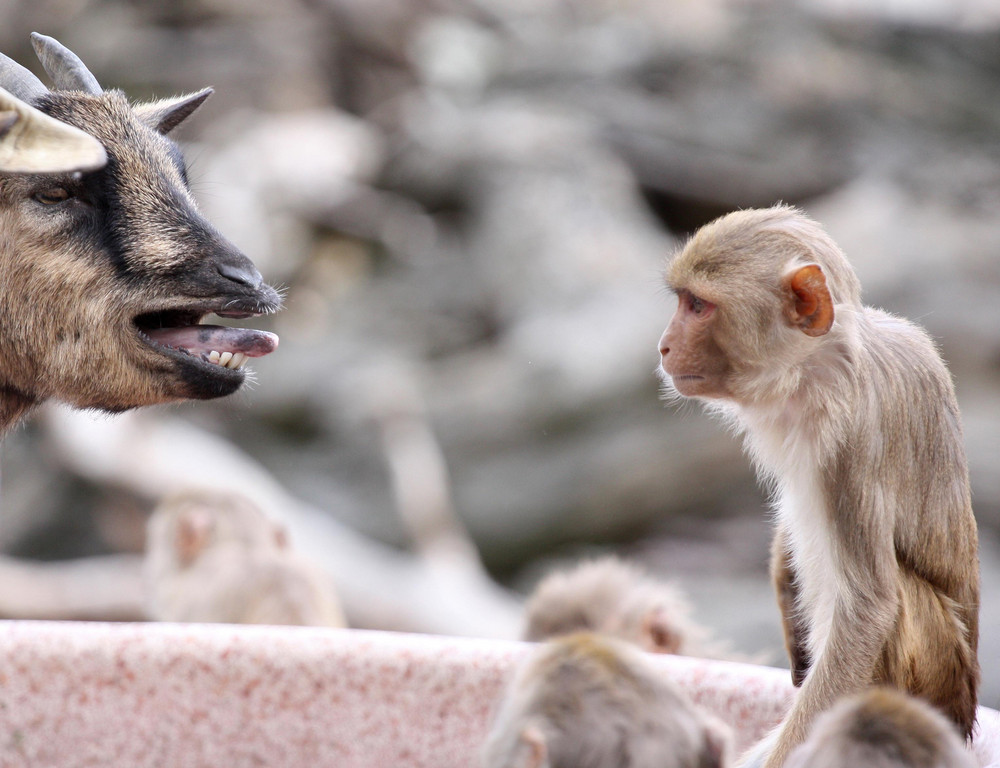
[223, 360]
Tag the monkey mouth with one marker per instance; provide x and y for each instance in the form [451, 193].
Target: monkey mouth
[181, 335]
[685, 384]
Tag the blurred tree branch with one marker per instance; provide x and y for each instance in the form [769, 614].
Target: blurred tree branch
[381, 588]
[105, 588]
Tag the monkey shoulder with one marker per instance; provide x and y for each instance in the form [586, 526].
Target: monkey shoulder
[588, 665]
[902, 360]
[883, 332]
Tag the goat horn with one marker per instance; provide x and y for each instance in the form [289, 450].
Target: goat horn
[20, 81]
[33, 142]
[63, 66]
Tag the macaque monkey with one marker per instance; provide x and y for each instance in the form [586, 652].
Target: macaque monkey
[614, 598]
[588, 700]
[882, 728]
[850, 415]
[215, 557]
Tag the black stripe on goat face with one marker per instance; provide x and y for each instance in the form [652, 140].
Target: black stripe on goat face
[132, 232]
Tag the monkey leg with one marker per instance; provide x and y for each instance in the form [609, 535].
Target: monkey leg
[931, 653]
[787, 591]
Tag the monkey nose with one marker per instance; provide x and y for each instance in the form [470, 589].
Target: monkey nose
[664, 345]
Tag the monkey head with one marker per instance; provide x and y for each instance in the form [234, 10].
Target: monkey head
[755, 290]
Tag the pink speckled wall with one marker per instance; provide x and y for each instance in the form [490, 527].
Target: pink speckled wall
[218, 696]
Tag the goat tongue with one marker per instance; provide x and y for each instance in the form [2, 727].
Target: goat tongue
[199, 339]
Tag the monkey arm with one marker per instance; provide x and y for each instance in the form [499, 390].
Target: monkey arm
[862, 621]
[787, 590]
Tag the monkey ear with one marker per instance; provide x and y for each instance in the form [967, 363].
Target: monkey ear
[536, 752]
[718, 742]
[281, 536]
[808, 304]
[193, 532]
[660, 632]
[165, 115]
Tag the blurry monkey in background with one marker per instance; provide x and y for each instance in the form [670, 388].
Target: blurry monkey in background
[216, 557]
[850, 415]
[612, 597]
[587, 700]
[882, 728]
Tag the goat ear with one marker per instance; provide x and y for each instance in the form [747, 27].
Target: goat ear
[7, 121]
[165, 115]
[33, 142]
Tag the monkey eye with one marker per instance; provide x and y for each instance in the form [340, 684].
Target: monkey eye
[700, 306]
[53, 195]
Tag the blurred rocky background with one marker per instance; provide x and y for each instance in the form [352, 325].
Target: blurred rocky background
[469, 204]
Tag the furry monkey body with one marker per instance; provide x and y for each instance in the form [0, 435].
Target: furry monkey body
[850, 415]
[615, 598]
[584, 700]
[216, 557]
[882, 728]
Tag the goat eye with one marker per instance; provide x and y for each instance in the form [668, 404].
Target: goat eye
[53, 195]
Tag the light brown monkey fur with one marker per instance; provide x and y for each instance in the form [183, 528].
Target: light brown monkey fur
[882, 728]
[214, 557]
[588, 700]
[615, 598]
[850, 414]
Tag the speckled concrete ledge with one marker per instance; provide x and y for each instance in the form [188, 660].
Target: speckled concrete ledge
[193, 696]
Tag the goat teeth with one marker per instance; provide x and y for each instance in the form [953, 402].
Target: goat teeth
[214, 357]
[237, 360]
[225, 358]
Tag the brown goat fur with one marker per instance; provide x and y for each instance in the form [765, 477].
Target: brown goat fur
[94, 263]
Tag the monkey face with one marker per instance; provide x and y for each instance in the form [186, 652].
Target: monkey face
[689, 354]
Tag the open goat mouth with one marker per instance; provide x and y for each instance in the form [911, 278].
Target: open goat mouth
[180, 332]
